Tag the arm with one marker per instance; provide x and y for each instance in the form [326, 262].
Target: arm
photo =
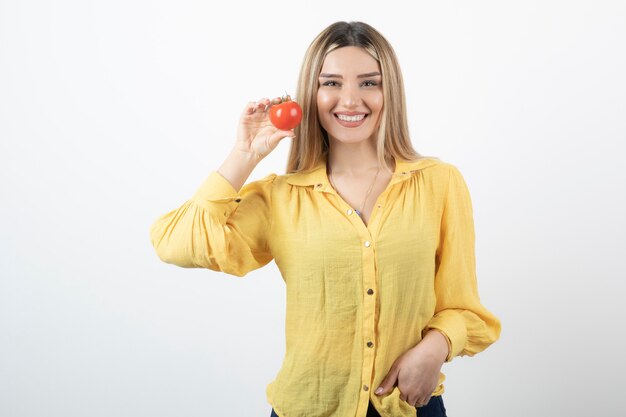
[219, 228]
[467, 325]
[237, 167]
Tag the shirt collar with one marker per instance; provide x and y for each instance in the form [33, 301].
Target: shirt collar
[317, 175]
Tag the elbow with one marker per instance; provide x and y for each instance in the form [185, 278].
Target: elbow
[163, 247]
[173, 256]
[180, 237]
[165, 255]
[183, 255]
[164, 252]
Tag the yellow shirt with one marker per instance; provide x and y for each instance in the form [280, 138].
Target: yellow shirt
[357, 296]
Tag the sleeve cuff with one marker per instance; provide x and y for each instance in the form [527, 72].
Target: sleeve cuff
[217, 195]
[452, 325]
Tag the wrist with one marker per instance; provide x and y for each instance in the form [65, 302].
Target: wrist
[437, 344]
[244, 157]
[237, 167]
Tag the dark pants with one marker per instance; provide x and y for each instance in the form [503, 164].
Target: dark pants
[434, 408]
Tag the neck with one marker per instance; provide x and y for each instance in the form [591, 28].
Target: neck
[352, 159]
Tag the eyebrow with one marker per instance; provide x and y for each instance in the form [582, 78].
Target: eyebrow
[369, 74]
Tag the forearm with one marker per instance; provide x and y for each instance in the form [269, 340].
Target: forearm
[237, 168]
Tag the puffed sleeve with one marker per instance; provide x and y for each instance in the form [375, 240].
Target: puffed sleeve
[218, 228]
[468, 326]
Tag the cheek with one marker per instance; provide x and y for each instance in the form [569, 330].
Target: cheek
[324, 101]
[376, 105]
[376, 101]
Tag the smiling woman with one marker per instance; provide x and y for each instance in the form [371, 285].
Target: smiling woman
[374, 242]
[348, 98]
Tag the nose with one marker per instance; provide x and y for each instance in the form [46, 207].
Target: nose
[350, 96]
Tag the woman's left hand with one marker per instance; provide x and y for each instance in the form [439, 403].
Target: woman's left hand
[417, 370]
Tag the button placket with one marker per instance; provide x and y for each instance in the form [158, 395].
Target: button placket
[368, 333]
[369, 311]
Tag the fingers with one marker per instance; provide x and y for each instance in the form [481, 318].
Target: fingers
[254, 106]
[415, 403]
[261, 105]
[388, 382]
[419, 403]
[422, 402]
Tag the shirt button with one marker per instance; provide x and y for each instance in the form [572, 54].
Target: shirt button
[370, 344]
[365, 387]
[349, 211]
[367, 243]
[370, 291]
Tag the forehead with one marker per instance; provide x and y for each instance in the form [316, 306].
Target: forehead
[349, 60]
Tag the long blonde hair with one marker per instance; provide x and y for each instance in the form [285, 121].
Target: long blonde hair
[311, 143]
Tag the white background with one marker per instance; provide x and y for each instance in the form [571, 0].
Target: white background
[114, 112]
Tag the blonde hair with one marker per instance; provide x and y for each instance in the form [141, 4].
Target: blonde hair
[311, 143]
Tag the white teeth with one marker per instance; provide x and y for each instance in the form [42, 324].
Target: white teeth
[351, 118]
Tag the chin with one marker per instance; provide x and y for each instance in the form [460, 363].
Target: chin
[350, 139]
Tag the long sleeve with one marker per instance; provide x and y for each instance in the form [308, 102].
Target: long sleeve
[218, 228]
[469, 327]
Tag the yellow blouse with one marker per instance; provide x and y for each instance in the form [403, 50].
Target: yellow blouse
[357, 296]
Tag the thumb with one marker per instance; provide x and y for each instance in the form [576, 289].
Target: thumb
[282, 134]
[275, 138]
[388, 382]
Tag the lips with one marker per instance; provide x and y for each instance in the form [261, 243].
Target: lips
[347, 123]
[351, 115]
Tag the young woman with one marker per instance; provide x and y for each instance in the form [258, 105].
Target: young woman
[375, 243]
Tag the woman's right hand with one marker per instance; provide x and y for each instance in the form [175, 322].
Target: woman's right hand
[255, 133]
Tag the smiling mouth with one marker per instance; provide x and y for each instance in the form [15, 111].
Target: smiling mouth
[351, 122]
[351, 119]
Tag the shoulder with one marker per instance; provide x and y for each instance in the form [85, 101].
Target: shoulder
[440, 177]
[433, 167]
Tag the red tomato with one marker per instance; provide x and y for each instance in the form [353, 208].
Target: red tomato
[286, 115]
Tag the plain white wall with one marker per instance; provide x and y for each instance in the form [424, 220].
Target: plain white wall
[113, 113]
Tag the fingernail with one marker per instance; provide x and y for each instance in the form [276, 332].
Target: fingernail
[378, 390]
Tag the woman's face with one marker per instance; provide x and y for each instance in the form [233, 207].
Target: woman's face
[350, 88]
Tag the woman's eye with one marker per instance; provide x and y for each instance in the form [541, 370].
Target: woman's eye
[368, 83]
